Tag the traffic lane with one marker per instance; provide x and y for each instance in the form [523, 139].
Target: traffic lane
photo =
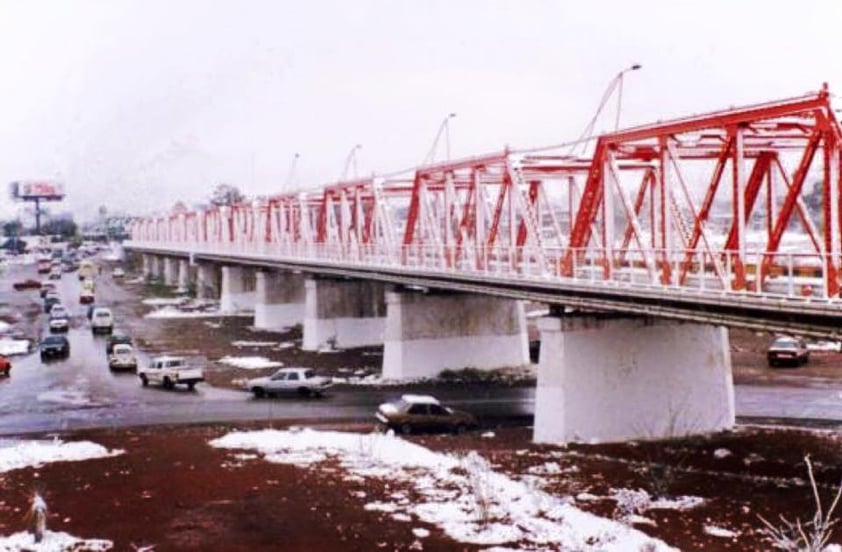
[156, 405]
[821, 403]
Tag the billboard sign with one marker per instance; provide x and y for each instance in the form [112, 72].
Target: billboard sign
[37, 189]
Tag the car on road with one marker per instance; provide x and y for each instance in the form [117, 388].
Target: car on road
[54, 346]
[47, 287]
[413, 413]
[118, 272]
[170, 371]
[55, 273]
[788, 350]
[59, 319]
[86, 297]
[116, 339]
[44, 266]
[49, 302]
[302, 381]
[102, 320]
[122, 357]
[26, 284]
[5, 366]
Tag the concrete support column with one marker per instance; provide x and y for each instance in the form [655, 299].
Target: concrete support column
[183, 273]
[616, 379]
[156, 265]
[279, 300]
[343, 314]
[207, 281]
[147, 264]
[238, 285]
[427, 333]
[170, 271]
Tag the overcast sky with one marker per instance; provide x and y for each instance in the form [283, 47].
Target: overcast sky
[136, 104]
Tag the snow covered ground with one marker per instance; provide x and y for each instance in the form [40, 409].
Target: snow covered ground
[52, 542]
[250, 362]
[10, 347]
[463, 496]
[173, 312]
[16, 454]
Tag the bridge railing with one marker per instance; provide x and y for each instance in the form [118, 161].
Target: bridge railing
[795, 276]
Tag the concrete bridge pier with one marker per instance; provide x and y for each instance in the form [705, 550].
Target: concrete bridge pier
[183, 274]
[279, 300]
[208, 283]
[146, 265]
[343, 313]
[429, 332]
[170, 271]
[614, 379]
[238, 289]
[156, 267]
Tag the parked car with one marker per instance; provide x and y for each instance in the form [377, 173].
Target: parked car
[55, 273]
[44, 266]
[122, 357]
[170, 371]
[102, 320]
[302, 381]
[788, 350]
[5, 366]
[423, 413]
[26, 284]
[54, 346]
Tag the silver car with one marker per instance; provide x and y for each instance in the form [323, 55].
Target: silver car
[302, 381]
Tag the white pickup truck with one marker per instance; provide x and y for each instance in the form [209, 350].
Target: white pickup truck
[170, 371]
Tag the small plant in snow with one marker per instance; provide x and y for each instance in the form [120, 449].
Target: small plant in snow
[631, 502]
[36, 518]
[810, 536]
[478, 474]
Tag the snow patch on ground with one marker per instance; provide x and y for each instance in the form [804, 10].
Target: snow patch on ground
[52, 542]
[173, 312]
[721, 453]
[16, 455]
[715, 531]
[163, 301]
[253, 343]
[11, 347]
[833, 346]
[250, 363]
[637, 501]
[461, 495]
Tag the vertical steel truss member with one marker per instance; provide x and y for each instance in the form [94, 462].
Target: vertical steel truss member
[708, 200]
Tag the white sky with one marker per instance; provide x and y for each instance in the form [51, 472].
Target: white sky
[136, 104]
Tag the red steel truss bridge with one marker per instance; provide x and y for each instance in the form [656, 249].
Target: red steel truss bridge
[730, 217]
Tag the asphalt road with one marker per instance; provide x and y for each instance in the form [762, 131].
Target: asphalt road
[81, 392]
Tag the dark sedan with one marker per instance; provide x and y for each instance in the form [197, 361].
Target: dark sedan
[412, 413]
[54, 346]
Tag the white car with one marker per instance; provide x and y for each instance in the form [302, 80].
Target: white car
[59, 323]
[122, 357]
[170, 371]
[59, 310]
[102, 320]
[118, 272]
[302, 381]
